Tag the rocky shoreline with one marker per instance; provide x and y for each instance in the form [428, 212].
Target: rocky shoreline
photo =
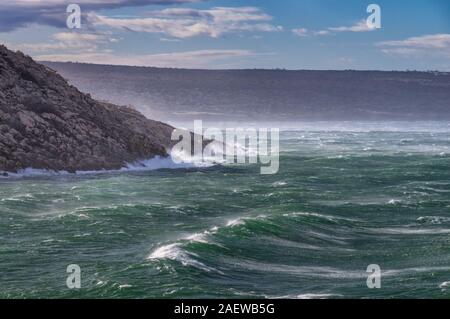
[45, 123]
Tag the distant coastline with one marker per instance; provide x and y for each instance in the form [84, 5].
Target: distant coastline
[240, 69]
[266, 95]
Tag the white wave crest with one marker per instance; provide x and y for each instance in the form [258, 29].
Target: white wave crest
[310, 296]
[316, 296]
[241, 220]
[152, 164]
[434, 220]
[445, 285]
[176, 251]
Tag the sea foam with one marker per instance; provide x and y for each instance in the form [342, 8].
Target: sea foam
[152, 164]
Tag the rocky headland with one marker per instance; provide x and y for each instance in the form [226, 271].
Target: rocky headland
[45, 123]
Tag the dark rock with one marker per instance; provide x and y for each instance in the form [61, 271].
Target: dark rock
[46, 123]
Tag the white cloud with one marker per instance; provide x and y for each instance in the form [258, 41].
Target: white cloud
[187, 23]
[432, 44]
[188, 59]
[322, 32]
[69, 41]
[22, 13]
[38, 3]
[300, 32]
[433, 41]
[169, 40]
[406, 52]
[360, 26]
[218, 14]
[172, 24]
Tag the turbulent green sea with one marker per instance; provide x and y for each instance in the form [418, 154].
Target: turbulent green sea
[346, 196]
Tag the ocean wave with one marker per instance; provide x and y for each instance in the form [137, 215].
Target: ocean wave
[241, 220]
[445, 285]
[307, 296]
[300, 271]
[177, 252]
[18, 198]
[410, 231]
[315, 296]
[414, 270]
[433, 220]
[394, 201]
[320, 216]
[173, 252]
[279, 184]
[152, 164]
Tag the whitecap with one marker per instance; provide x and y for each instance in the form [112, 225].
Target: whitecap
[445, 285]
[306, 296]
[235, 222]
[199, 237]
[152, 164]
[322, 216]
[316, 296]
[125, 286]
[168, 251]
[435, 220]
[280, 183]
[241, 220]
[177, 253]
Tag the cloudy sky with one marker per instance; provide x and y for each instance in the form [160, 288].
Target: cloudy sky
[291, 34]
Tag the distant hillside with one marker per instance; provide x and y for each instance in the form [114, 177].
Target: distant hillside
[45, 123]
[174, 94]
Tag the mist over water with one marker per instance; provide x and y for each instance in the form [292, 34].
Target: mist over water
[266, 95]
[347, 195]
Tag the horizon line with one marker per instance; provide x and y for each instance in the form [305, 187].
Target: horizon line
[245, 69]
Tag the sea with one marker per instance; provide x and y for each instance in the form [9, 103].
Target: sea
[348, 197]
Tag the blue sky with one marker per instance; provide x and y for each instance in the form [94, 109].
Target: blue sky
[291, 34]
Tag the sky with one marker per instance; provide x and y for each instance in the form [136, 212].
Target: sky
[231, 34]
